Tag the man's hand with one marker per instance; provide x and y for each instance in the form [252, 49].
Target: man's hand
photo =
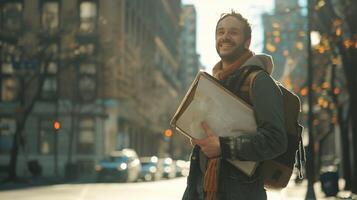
[210, 145]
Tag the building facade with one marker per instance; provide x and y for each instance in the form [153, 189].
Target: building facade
[107, 71]
[285, 39]
[189, 59]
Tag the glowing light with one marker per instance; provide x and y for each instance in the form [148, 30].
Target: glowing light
[337, 91]
[347, 43]
[304, 91]
[299, 45]
[315, 38]
[276, 33]
[270, 47]
[276, 25]
[168, 133]
[320, 4]
[320, 101]
[122, 166]
[290, 61]
[338, 31]
[277, 39]
[286, 53]
[56, 125]
[325, 85]
[321, 49]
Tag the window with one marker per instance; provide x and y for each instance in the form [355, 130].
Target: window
[50, 87]
[50, 16]
[9, 84]
[46, 137]
[86, 135]
[87, 81]
[8, 89]
[7, 131]
[88, 16]
[87, 68]
[86, 49]
[11, 16]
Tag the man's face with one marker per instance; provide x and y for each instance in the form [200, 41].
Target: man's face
[230, 41]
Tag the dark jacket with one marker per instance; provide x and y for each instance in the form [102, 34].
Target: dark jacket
[268, 142]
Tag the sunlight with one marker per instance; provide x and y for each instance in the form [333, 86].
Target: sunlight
[208, 13]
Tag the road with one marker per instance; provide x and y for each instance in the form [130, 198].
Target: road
[158, 190]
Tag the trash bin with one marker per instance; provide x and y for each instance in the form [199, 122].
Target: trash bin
[329, 181]
[71, 171]
[35, 168]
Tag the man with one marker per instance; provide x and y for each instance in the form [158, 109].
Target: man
[211, 175]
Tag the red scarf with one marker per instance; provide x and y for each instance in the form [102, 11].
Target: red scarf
[220, 73]
[210, 179]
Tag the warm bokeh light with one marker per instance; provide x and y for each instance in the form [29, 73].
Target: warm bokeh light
[56, 125]
[304, 91]
[270, 47]
[337, 91]
[334, 120]
[285, 52]
[325, 85]
[277, 39]
[168, 133]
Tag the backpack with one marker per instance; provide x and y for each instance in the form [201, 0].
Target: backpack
[277, 172]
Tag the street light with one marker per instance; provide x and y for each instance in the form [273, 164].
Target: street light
[56, 125]
[310, 168]
[168, 133]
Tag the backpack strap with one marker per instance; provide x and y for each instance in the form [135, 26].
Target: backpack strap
[300, 155]
[246, 78]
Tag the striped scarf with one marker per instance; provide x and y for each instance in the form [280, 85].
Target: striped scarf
[210, 179]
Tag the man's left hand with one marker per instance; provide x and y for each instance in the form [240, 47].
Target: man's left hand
[210, 145]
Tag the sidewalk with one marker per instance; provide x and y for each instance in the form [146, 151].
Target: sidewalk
[22, 183]
[298, 192]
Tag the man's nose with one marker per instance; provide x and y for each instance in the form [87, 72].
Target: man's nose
[225, 36]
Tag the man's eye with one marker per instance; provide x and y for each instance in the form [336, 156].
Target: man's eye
[233, 32]
[220, 32]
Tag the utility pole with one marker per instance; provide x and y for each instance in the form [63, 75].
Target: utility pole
[56, 128]
[310, 167]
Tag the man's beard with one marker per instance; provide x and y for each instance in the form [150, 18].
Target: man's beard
[234, 55]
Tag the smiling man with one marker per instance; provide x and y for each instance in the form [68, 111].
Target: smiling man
[211, 175]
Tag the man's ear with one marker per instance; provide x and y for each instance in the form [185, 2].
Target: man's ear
[247, 43]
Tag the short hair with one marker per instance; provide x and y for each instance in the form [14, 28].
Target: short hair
[247, 28]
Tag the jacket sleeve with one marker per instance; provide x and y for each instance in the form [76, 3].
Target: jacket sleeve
[270, 140]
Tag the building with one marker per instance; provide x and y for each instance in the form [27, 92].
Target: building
[188, 56]
[110, 77]
[285, 39]
[189, 65]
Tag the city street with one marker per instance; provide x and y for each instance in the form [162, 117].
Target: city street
[158, 190]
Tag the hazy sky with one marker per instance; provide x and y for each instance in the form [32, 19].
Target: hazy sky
[209, 11]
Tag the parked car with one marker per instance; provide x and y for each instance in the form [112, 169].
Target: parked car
[150, 169]
[121, 165]
[167, 167]
[182, 168]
